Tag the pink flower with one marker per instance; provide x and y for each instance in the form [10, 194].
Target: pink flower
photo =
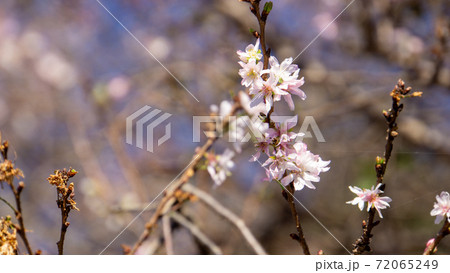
[250, 72]
[266, 91]
[287, 75]
[219, 166]
[278, 164]
[251, 111]
[293, 88]
[442, 207]
[371, 197]
[282, 136]
[284, 71]
[262, 146]
[251, 52]
[308, 168]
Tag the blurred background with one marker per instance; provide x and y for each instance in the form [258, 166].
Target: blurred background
[70, 74]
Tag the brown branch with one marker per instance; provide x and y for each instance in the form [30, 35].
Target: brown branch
[21, 229]
[167, 233]
[432, 247]
[299, 237]
[228, 215]
[65, 194]
[399, 92]
[262, 18]
[64, 225]
[196, 232]
[9, 173]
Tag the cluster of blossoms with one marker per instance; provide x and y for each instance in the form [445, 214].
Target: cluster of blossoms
[289, 160]
[441, 209]
[269, 85]
[372, 197]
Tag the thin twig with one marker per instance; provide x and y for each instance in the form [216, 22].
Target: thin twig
[362, 244]
[196, 231]
[65, 194]
[64, 226]
[228, 215]
[432, 247]
[255, 9]
[18, 212]
[300, 237]
[9, 205]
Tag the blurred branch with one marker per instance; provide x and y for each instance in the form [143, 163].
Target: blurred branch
[439, 49]
[167, 233]
[83, 148]
[133, 208]
[174, 186]
[126, 165]
[195, 231]
[229, 215]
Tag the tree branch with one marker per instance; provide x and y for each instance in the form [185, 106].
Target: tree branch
[432, 247]
[195, 231]
[399, 92]
[228, 215]
[299, 237]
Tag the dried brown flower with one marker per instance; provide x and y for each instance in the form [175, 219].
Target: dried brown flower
[8, 171]
[65, 191]
[65, 199]
[8, 237]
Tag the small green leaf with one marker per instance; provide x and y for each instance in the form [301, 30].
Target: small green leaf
[268, 7]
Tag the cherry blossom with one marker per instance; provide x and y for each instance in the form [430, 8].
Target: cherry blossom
[308, 168]
[255, 111]
[287, 75]
[282, 134]
[219, 166]
[250, 72]
[223, 110]
[442, 207]
[372, 197]
[288, 162]
[278, 164]
[262, 145]
[251, 52]
[266, 91]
